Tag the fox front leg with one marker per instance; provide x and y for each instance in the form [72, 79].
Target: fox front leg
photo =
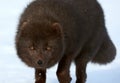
[40, 75]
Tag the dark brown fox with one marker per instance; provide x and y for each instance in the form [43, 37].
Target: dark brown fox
[63, 31]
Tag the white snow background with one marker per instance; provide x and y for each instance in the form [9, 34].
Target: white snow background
[12, 70]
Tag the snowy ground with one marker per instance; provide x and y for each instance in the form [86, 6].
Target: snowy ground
[12, 70]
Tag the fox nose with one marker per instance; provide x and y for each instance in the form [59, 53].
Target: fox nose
[40, 62]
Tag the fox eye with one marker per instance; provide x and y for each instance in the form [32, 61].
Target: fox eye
[32, 48]
[48, 48]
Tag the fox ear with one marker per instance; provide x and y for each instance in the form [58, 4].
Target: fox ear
[56, 27]
[24, 24]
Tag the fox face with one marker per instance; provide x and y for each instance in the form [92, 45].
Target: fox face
[40, 45]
